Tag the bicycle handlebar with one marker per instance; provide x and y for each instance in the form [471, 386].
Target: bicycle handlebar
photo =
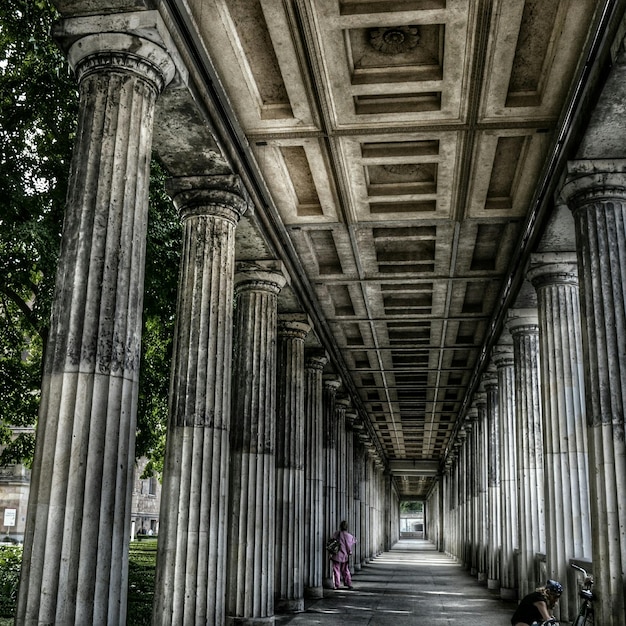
[580, 569]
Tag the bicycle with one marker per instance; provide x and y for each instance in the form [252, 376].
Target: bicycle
[585, 614]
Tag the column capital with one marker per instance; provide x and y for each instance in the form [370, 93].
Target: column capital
[220, 196]
[296, 325]
[472, 414]
[260, 276]
[551, 268]
[343, 401]
[591, 181]
[331, 382]
[480, 398]
[315, 359]
[521, 321]
[351, 417]
[502, 355]
[136, 41]
[490, 379]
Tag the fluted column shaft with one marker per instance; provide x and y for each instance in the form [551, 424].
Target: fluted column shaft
[598, 202]
[359, 490]
[331, 385]
[292, 331]
[568, 533]
[191, 561]
[483, 484]
[503, 359]
[76, 541]
[349, 460]
[474, 489]
[524, 328]
[341, 406]
[493, 472]
[314, 476]
[250, 591]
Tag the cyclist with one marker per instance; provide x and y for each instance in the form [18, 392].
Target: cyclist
[537, 606]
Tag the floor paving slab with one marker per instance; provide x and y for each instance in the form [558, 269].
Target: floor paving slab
[411, 584]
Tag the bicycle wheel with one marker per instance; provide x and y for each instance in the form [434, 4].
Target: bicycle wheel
[585, 618]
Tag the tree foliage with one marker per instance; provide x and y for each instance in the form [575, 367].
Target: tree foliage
[407, 506]
[38, 108]
[38, 114]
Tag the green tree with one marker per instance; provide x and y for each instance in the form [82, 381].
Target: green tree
[38, 108]
[38, 113]
[411, 506]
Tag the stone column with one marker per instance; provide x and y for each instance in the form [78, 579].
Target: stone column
[191, 562]
[75, 561]
[490, 381]
[503, 359]
[341, 406]
[351, 417]
[568, 533]
[359, 495]
[331, 385]
[250, 589]
[524, 327]
[598, 202]
[314, 475]
[474, 489]
[292, 330]
[480, 399]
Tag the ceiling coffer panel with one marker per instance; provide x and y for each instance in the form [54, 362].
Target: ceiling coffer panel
[400, 143]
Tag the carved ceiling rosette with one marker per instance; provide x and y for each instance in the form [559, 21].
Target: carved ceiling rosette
[394, 40]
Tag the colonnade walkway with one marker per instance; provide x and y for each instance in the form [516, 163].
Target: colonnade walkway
[411, 584]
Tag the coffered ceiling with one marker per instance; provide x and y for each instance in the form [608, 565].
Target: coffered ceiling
[400, 144]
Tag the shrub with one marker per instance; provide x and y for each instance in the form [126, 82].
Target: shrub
[10, 563]
[141, 572]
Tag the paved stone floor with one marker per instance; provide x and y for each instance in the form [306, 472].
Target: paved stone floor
[411, 584]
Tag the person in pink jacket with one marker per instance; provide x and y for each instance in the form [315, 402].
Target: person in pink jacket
[340, 560]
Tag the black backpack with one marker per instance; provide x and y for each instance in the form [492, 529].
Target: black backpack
[332, 547]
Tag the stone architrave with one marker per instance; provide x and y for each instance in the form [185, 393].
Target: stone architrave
[331, 385]
[596, 194]
[494, 546]
[503, 359]
[524, 327]
[314, 552]
[191, 560]
[75, 560]
[251, 536]
[290, 457]
[568, 531]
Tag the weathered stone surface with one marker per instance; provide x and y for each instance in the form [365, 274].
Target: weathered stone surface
[191, 563]
[76, 540]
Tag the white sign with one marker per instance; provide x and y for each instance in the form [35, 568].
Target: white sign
[9, 517]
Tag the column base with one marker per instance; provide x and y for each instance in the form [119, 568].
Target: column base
[249, 621]
[314, 593]
[289, 606]
[493, 583]
[507, 593]
[473, 571]
[357, 567]
[482, 577]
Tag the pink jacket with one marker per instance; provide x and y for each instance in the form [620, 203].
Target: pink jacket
[346, 541]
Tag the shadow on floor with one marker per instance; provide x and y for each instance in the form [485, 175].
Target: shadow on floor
[410, 584]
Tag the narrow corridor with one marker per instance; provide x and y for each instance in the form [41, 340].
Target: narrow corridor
[410, 584]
